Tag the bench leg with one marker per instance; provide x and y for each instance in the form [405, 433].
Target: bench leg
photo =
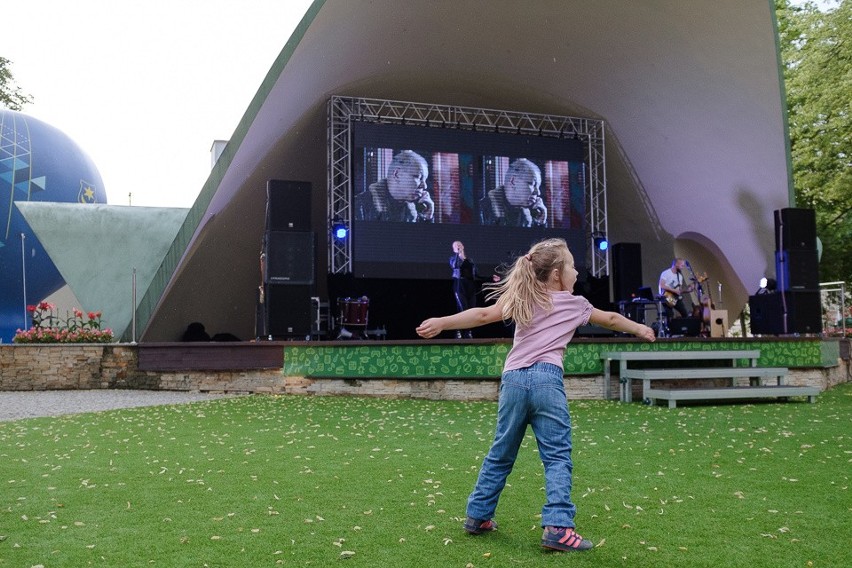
[811, 398]
[672, 403]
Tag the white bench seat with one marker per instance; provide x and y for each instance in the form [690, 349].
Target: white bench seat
[773, 391]
[627, 374]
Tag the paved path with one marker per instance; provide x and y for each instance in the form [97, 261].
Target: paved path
[15, 405]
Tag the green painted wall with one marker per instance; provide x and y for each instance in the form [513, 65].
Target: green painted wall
[432, 360]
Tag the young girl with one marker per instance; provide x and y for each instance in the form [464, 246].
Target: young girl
[537, 296]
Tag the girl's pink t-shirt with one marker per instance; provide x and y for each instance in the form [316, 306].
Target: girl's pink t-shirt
[545, 338]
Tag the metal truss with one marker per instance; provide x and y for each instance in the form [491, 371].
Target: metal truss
[343, 111]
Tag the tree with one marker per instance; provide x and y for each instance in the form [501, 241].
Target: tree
[816, 48]
[11, 96]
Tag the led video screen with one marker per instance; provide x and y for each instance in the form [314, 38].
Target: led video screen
[416, 189]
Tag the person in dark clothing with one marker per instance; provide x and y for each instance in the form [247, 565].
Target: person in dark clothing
[464, 283]
[195, 332]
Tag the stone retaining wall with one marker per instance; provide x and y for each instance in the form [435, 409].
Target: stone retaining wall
[97, 366]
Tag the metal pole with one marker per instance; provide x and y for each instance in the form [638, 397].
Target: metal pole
[133, 308]
[24, 274]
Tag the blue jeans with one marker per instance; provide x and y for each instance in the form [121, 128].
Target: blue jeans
[535, 396]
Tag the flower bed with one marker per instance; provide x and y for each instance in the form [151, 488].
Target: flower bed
[73, 328]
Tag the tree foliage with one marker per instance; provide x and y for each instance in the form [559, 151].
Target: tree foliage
[11, 96]
[816, 48]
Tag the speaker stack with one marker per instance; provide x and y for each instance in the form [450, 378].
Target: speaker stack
[626, 270]
[796, 306]
[289, 248]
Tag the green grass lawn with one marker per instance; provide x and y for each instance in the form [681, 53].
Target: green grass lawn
[314, 481]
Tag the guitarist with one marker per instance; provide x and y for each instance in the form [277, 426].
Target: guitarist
[672, 286]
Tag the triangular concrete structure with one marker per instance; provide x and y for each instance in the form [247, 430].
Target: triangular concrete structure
[96, 247]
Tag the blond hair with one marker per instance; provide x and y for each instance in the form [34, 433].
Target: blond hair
[524, 287]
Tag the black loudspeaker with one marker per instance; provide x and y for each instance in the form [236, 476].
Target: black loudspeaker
[795, 229]
[686, 327]
[626, 270]
[287, 310]
[289, 257]
[803, 313]
[288, 205]
[797, 270]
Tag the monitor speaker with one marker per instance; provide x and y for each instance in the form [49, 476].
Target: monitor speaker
[797, 270]
[795, 229]
[288, 310]
[803, 310]
[626, 270]
[685, 327]
[288, 205]
[289, 257]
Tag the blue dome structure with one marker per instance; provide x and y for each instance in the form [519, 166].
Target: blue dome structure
[38, 162]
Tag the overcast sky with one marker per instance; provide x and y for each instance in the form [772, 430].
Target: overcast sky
[144, 87]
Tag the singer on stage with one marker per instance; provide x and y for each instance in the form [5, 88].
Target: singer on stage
[401, 196]
[464, 282]
[518, 202]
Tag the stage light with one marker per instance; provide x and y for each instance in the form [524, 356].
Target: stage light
[601, 243]
[767, 286]
[339, 230]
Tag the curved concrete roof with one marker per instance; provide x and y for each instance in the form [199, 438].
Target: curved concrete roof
[690, 91]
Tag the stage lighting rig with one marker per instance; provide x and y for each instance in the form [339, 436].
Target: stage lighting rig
[601, 242]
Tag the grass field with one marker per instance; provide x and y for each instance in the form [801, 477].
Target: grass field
[311, 481]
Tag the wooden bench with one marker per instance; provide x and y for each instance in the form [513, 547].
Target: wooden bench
[625, 372]
[754, 373]
[778, 391]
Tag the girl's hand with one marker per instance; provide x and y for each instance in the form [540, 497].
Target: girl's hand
[429, 328]
[646, 333]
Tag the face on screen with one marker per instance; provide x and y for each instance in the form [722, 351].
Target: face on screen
[407, 183]
[522, 191]
[457, 169]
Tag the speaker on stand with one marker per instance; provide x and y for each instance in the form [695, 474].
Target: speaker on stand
[797, 305]
[626, 270]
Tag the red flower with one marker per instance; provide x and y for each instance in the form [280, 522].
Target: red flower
[31, 309]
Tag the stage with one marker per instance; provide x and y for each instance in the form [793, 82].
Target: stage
[434, 369]
[455, 369]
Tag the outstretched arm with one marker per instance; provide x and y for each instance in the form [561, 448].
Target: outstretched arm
[474, 317]
[618, 322]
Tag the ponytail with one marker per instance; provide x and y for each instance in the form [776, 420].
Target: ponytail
[524, 287]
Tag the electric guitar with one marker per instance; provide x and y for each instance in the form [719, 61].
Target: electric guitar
[672, 298]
